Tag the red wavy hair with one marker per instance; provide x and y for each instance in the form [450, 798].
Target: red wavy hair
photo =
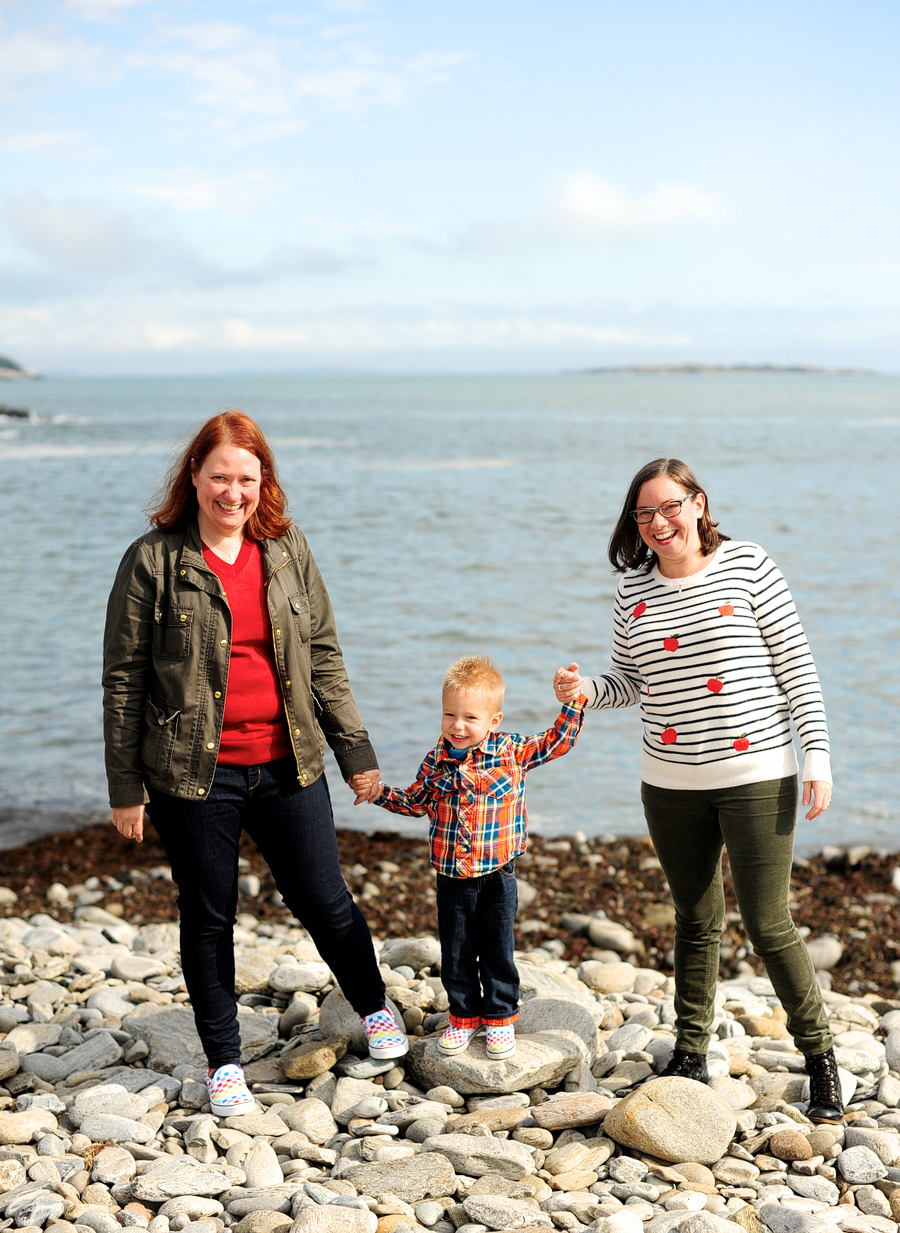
[176, 502]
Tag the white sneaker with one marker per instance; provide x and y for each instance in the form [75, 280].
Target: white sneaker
[501, 1040]
[456, 1039]
[228, 1094]
[384, 1036]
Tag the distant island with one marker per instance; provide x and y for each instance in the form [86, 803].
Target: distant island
[11, 371]
[732, 368]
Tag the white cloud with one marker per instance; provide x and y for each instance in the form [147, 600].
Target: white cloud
[588, 207]
[100, 10]
[30, 54]
[75, 234]
[40, 140]
[73, 246]
[194, 192]
[242, 74]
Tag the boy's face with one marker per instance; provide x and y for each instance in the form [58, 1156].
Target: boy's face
[467, 718]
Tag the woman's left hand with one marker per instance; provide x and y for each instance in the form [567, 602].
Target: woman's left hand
[367, 785]
[819, 792]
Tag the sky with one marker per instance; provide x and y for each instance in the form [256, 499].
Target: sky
[210, 186]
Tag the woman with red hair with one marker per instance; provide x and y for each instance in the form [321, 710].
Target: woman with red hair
[223, 680]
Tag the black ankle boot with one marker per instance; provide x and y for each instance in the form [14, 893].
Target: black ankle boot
[687, 1066]
[825, 1102]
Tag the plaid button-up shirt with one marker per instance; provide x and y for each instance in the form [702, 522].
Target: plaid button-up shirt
[476, 804]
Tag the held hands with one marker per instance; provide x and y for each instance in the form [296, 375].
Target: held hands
[819, 792]
[129, 821]
[367, 785]
[567, 683]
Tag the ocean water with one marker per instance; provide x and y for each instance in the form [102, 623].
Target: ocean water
[453, 515]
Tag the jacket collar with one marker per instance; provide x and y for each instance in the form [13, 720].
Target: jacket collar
[275, 551]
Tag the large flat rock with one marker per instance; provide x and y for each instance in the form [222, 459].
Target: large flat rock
[172, 1038]
[541, 1060]
[429, 1175]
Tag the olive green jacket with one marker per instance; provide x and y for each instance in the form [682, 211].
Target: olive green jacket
[166, 652]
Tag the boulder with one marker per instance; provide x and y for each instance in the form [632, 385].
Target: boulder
[674, 1119]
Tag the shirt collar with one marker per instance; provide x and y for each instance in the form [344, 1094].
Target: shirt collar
[442, 748]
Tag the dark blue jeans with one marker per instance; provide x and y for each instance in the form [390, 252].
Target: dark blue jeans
[293, 828]
[475, 925]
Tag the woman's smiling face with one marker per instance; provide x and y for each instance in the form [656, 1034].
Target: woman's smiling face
[675, 540]
[228, 484]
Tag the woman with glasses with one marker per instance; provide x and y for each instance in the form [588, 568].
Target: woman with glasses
[707, 641]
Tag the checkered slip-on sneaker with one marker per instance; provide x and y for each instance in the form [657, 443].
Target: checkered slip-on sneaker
[456, 1039]
[501, 1040]
[384, 1036]
[228, 1094]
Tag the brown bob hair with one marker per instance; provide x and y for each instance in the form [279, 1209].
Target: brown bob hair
[626, 548]
[176, 502]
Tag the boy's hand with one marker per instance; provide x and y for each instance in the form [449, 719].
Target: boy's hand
[567, 683]
[367, 785]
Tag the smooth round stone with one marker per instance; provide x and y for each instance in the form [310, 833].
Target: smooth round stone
[533, 1136]
[607, 977]
[626, 1169]
[789, 1145]
[306, 977]
[419, 1131]
[100, 1222]
[370, 1106]
[444, 1095]
[860, 1166]
[192, 1206]
[429, 1213]
[825, 951]
[685, 1201]
[137, 967]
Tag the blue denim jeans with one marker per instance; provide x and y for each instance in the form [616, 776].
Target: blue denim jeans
[293, 828]
[475, 925]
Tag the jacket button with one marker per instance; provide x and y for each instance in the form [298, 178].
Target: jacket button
[287, 683]
[201, 792]
[301, 777]
[296, 732]
[277, 633]
[182, 617]
[283, 553]
[183, 572]
[217, 694]
[210, 744]
[224, 642]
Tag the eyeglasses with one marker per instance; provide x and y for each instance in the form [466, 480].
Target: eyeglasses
[668, 509]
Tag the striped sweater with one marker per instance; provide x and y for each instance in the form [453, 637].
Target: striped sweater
[720, 665]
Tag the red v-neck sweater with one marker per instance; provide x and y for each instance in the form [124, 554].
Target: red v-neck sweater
[255, 728]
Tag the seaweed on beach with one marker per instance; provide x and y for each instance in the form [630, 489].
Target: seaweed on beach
[390, 876]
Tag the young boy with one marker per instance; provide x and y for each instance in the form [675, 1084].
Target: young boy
[472, 787]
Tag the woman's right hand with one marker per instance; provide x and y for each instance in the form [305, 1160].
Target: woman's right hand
[129, 821]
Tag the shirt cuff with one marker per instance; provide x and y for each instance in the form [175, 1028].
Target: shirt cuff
[817, 765]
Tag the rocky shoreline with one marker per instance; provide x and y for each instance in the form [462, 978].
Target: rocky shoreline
[104, 1115]
[850, 894]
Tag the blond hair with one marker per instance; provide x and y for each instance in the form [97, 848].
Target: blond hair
[476, 674]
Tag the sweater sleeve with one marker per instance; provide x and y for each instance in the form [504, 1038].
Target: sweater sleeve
[620, 685]
[793, 667]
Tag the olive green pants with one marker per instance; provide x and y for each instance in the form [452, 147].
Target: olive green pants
[755, 823]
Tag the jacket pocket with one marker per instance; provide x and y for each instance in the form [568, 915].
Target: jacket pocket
[172, 633]
[160, 735]
[300, 611]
